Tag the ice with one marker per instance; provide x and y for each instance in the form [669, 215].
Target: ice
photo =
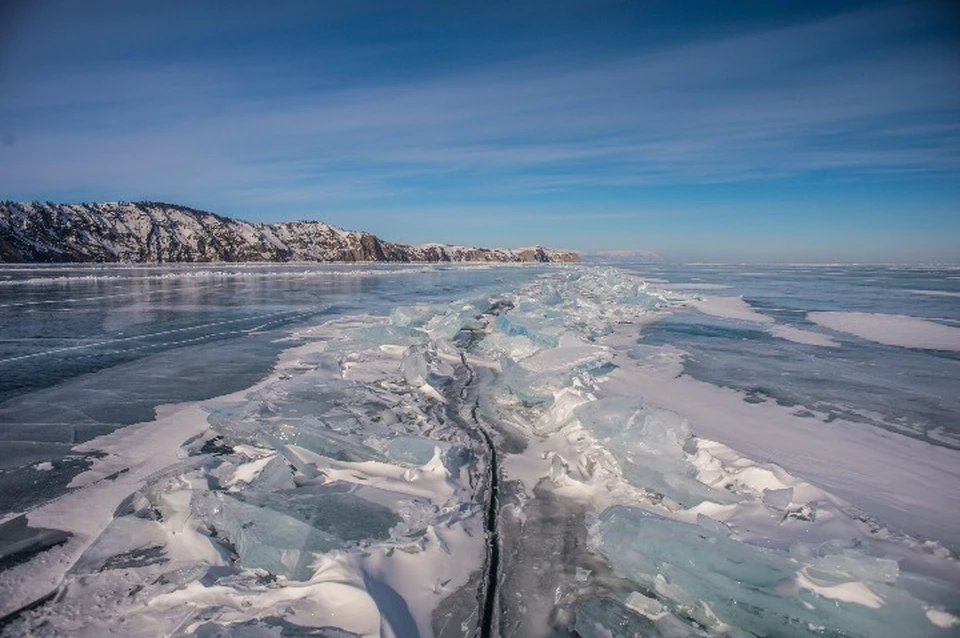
[798, 335]
[697, 286]
[903, 481]
[320, 417]
[19, 542]
[412, 316]
[731, 308]
[414, 367]
[567, 359]
[510, 328]
[779, 499]
[649, 444]
[275, 475]
[855, 567]
[708, 576]
[412, 450]
[942, 619]
[642, 545]
[321, 442]
[515, 347]
[522, 385]
[332, 509]
[549, 295]
[894, 330]
[936, 293]
[270, 627]
[399, 334]
[739, 309]
[347, 489]
[262, 537]
[607, 618]
[127, 542]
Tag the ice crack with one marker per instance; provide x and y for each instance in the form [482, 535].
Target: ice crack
[489, 591]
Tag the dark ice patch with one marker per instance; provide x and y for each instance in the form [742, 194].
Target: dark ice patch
[19, 542]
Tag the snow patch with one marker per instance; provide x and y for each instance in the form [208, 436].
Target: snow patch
[893, 330]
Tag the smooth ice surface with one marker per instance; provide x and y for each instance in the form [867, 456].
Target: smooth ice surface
[937, 293]
[19, 541]
[909, 391]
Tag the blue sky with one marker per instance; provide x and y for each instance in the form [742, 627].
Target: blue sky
[745, 131]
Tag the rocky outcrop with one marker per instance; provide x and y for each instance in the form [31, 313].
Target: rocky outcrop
[150, 232]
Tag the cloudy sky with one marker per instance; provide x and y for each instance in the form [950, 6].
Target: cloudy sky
[772, 131]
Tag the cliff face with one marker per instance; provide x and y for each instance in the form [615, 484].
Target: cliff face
[148, 232]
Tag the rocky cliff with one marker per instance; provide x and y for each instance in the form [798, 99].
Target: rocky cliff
[150, 232]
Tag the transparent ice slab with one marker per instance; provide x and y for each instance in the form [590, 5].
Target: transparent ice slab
[270, 627]
[332, 509]
[648, 443]
[721, 584]
[263, 537]
[414, 450]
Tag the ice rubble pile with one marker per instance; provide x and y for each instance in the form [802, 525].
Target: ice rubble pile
[339, 471]
[714, 542]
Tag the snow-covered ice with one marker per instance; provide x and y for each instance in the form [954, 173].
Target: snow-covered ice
[894, 330]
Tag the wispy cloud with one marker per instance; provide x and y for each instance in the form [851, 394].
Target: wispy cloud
[854, 94]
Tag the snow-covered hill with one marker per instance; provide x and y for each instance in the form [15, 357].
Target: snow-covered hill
[157, 232]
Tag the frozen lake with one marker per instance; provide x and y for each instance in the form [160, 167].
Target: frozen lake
[479, 450]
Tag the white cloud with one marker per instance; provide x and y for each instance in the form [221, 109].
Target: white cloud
[819, 96]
